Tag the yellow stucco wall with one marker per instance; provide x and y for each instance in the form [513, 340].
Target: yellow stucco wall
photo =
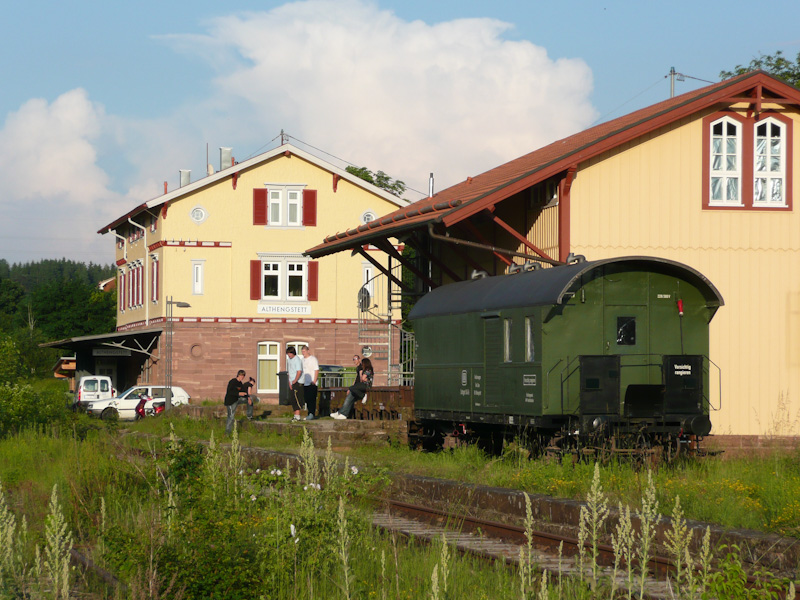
[226, 286]
[645, 198]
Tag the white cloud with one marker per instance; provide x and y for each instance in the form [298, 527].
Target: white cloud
[51, 187]
[455, 98]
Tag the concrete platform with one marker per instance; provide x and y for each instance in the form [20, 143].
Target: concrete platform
[278, 419]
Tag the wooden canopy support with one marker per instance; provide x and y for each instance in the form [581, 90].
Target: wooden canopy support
[360, 250]
[389, 249]
[485, 243]
[564, 187]
[519, 237]
[415, 243]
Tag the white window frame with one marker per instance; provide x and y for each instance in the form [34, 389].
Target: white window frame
[283, 196]
[198, 277]
[297, 346]
[368, 278]
[768, 174]
[724, 174]
[291, 271]
[268, 356]
[283, 262]
[271, 267]
[275, 206]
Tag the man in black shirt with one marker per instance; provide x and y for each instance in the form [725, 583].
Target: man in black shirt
[234, 394]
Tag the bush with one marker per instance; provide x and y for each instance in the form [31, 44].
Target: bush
[22, 407]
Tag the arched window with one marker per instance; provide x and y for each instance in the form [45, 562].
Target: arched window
[769, 168]
[726, 162]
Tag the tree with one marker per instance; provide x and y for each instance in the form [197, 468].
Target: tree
[774, 64]
[379, 179]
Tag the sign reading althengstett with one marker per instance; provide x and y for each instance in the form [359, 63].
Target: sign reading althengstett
[282, 309]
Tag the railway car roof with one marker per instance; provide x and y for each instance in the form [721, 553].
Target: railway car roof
[543, 287]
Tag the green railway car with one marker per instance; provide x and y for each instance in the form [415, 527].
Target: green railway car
[569, 353]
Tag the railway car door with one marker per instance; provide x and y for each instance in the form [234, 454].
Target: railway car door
[489, 392]
[625, 333]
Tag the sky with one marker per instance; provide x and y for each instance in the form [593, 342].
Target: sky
[102, 102]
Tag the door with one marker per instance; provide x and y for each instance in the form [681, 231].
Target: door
[487, 393]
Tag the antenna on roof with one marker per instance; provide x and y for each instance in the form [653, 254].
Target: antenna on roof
[430, 186]
[284, 138]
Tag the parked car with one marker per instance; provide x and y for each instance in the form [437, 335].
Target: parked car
[93, 387]
[123, 407]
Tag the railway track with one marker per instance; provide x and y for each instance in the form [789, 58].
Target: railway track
[496, 541]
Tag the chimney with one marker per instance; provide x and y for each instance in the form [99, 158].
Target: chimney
[225, 157]
[430, 186]
[186, 177]
[210, 169]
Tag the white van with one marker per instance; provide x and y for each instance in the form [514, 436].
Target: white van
[94, 387]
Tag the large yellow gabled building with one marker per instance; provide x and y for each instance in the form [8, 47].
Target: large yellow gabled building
[230, 245]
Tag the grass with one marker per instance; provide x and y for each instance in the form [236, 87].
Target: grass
[172, 520]
[755, 493]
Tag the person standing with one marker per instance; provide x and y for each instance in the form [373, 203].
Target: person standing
[249, 396]
[294, 369]
[310, 375]
[357, 391]
[233, 397]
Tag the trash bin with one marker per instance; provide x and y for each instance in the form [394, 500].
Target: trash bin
[283, 388]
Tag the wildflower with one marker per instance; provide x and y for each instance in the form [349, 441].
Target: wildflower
[354, 470]
[292, 529]
[241, 471]
[273, 471]
[258, 471]
[253, 498]
[305, 487]
[278, 473]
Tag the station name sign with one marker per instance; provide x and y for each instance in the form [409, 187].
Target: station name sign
[111, 352]
[282, 309]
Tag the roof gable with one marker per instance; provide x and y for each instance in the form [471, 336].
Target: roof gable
[233, 171]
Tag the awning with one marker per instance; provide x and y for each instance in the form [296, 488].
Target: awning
[125, 343]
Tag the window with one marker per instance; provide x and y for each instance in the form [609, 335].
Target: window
[198, 267]
[507, 324]
[285, 277]
[626, 331]
[294, 203]
[275, 202]
[198, 214]
[530, 354]
[726, 160]
[154, 280]
[267, 376]
[770, 166]
[745, 161]
[284, 205]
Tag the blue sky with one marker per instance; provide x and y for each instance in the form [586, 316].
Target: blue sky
[103, 101]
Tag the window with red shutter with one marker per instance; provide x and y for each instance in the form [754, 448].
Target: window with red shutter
[310, 207]
[260, 204]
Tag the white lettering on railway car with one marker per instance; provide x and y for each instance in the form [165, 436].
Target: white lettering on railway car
[666, 296]
[529, 380]
[683, 369]
[529, 397]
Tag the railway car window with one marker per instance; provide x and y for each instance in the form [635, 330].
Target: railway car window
[507, 340]
[530, 353]
[626, 331]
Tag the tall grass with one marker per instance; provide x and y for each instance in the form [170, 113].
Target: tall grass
[174, 521]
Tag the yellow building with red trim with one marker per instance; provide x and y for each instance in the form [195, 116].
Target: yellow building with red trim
[230, 245]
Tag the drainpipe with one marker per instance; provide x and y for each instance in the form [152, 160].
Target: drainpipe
[146, 275]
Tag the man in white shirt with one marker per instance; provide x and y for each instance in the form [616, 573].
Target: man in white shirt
[294, 368]
[310, 375]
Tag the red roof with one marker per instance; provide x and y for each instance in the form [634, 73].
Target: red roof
[464, 199]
